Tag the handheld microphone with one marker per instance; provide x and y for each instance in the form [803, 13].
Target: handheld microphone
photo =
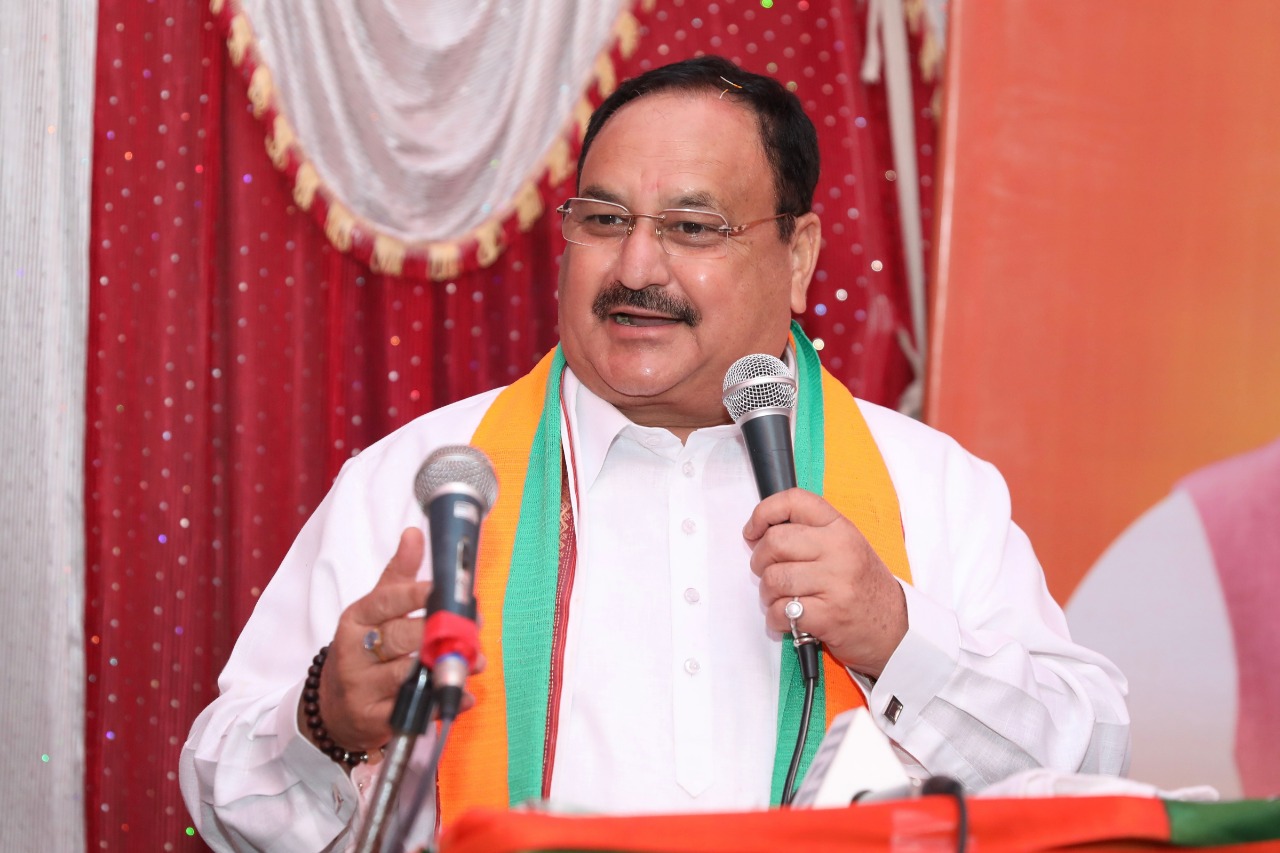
[760, 394]
[455, 487]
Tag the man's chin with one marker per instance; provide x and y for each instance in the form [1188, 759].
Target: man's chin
[666, 398]
[634, 373]
[636, 390]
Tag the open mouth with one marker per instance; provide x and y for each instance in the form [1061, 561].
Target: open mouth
[641, 320]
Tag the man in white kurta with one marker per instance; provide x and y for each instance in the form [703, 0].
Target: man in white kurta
[671, 679]
[671, 670]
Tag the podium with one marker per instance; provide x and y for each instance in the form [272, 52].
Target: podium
[917, 825]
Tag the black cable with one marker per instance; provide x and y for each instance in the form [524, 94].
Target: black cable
[809, 683]
[950, 787]
[808, 649]
[962, 821]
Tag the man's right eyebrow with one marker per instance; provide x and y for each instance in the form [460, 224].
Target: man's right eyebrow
[597, 193]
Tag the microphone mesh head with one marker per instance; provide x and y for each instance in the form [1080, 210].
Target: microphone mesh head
[457, 465]
[758, 382]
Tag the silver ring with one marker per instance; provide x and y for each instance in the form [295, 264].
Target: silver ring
[794, 610]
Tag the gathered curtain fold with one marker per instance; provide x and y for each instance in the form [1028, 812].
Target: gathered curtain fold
[426, 131]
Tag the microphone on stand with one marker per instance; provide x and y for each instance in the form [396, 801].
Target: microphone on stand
[456, 487]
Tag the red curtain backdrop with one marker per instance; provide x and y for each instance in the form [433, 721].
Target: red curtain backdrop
[236, 359]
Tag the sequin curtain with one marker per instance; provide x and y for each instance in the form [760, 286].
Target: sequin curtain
[236, 359]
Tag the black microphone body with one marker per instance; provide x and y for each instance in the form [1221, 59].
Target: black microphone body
[454, 519]
[773, 460]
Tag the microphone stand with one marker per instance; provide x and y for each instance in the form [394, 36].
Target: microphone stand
[409, 719]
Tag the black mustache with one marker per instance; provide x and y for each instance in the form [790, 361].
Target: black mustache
[653, 298]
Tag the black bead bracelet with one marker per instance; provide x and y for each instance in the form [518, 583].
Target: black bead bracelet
[311, 709]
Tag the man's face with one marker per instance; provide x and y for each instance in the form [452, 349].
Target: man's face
[663, 364]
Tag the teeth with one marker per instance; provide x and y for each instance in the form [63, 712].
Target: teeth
[640, 320]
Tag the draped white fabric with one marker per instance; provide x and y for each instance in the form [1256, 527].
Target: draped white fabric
[424, 117]
[46, 128]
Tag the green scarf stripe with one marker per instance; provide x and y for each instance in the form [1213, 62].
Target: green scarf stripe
[1215, 824]
[810, 452]
[528, 608]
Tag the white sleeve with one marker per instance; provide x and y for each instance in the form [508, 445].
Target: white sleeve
[250, 779]
[987, 681]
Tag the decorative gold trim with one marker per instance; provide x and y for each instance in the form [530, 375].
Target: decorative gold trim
[582, 115]
[280, 141]
[488, 242]
[444, 261]
[305, 185]
[388, 255]
[930, 58]
[529, 206]
[559, 162]
[627, 32]
[337, 226]
[261, 90]
[606, 75]
[239, 39]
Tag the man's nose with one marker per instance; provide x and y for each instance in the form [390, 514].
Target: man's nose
[641, 260]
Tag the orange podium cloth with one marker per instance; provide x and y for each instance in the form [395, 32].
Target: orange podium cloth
[929, 823]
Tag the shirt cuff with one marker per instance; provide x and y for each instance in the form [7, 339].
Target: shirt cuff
[919, 668]
[325, 778]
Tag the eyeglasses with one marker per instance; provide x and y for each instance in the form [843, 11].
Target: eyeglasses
[684, 233]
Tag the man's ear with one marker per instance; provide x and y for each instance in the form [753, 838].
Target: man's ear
[805, 243]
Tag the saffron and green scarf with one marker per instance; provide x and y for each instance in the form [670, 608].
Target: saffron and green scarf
[495, 754]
